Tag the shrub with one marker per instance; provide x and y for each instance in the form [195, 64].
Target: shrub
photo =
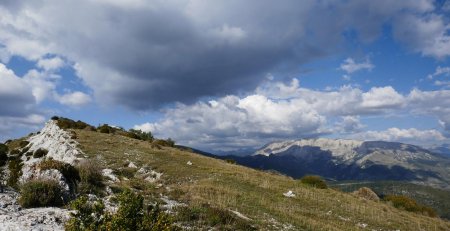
[14, 152]
[131, 215]
[105, 128]
[171, 142]
[314, 181]
[65, 123]
[40, 153]
[91, 178]
[55, 118]
[138, 134]
[40, 193]
[15, 171]
[164, 143]
[3, 154]
[23, 143]
[230, 161]
[89, 215]
[408, 204]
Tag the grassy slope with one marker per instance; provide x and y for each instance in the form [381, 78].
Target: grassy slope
[253, 193]
[433, 197]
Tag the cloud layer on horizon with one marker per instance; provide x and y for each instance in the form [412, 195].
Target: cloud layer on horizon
[277, 110]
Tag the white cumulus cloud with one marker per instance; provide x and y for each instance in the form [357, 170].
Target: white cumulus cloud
[74, 99]
[349, 65]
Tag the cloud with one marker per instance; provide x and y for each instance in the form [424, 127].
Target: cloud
[382, 97]
[205, 48]
[349, 124]
[50, 64]
[232, 122]
[440, 71]
[428, 34]
[8, 124]
[277, 110]
[402, 135]
[15, 95]
[434, 103]
[74, 99]
[349, 65]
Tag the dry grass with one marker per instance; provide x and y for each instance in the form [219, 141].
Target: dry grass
[256, 194]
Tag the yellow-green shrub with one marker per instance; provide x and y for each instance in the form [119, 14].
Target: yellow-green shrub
[315, 181]
[40, 193]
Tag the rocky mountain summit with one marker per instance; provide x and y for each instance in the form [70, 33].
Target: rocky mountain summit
[54, 143]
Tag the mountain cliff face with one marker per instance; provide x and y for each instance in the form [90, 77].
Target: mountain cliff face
[353, 160]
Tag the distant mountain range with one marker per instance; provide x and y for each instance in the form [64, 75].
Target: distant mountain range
[352, 160]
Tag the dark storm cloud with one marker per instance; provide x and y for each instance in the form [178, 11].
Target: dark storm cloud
[144, 54]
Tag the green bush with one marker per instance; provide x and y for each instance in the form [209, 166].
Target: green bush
[165, 143]
[15, 171]
[24, 151]
[138, 134]
[40, 193]
[23, 143]
[314, 181]
[91, 178]
[65, 123]
[88, 216]
[3, 154]
[130, 216]
[40, 153]
[105, 128]
[408, 204]
[230, 161]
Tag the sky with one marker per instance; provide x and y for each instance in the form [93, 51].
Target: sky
[230, 74]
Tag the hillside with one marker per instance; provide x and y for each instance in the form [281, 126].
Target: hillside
[353, 160]
[250, 198]
[433, 197]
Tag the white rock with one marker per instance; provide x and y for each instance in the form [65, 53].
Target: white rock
[58, 142]
[149, 175]
[189, 163]
[289, 194]
[109, 173]
[132, 165]
[13, 217]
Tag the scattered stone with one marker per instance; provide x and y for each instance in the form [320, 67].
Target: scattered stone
[362, 225]
[132, 165]
[170, 204]
[367, 194]
[240, 215]
[149, 175]
[289, 194]
[13, 217]
[109, 173]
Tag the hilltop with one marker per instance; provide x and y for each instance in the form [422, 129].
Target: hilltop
[198, 192]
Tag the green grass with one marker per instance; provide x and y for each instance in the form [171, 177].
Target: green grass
[255, 194]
